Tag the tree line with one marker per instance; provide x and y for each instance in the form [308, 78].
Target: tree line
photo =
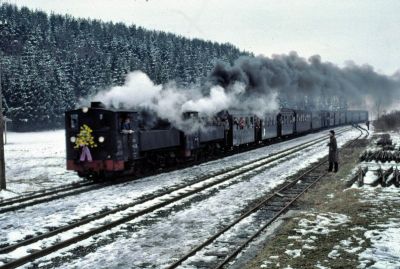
[49, 62]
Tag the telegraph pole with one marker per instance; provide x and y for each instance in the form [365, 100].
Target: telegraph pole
[2, 160]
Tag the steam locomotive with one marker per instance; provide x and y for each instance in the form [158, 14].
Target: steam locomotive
[98, 144]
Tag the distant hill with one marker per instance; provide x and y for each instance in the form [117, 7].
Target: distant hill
[50, 61]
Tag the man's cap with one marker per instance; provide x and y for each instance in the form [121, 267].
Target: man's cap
[332, 132]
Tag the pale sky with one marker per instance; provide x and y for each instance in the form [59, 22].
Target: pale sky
[364, 31]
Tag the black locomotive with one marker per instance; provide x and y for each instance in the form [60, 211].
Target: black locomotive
[101, 142]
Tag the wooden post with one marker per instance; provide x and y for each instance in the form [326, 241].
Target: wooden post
[360, 180]
[2, 161]
[5, 132]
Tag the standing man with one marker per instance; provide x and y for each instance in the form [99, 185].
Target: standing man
[333, 152]
[367, 124]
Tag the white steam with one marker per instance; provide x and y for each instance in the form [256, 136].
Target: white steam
[170, 101]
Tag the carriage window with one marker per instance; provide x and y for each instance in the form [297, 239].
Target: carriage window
[242, 122]
[74, 121]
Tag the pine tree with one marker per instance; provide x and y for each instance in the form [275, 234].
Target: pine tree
[51, 61]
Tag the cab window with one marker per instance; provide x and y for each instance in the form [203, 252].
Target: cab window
[74, 121]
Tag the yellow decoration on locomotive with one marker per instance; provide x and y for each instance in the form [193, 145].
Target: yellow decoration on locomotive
[85, 138]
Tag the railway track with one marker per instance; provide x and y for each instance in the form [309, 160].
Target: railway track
[146, 205]
[64, 191]
[55, 193]
[46, 196]
[253, 222]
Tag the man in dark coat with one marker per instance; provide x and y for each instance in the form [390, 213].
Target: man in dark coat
[126, 126]
[333, 153]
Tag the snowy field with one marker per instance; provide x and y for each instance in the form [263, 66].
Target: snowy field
[156, 239]
[384, 251]
[35, 161]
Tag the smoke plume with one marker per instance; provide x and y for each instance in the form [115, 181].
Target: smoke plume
[259, 85]
[169, 101]
[310, 84]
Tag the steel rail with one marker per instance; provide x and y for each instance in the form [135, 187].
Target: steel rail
[266, 160]
[254, 209]
[50, 194]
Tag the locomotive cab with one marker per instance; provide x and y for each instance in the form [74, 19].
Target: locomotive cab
[95, 141]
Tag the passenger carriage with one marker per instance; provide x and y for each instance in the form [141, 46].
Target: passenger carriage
[286, 122]
[303, 121]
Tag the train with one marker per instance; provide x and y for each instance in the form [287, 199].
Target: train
[106, 143]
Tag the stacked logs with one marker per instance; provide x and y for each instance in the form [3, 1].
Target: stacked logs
[380, 156]
[387, 153]
[385, 178]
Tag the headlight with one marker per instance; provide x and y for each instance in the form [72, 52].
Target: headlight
[72, 139]
[101, 139]
[85, 109]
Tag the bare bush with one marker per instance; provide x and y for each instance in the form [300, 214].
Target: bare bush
[389, 121]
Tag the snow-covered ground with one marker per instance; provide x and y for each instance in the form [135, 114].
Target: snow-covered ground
[366, 237]
[35, 161]
[306, 234]
[164, 235]
[384, 251]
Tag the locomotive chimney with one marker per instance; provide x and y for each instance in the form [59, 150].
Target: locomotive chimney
[97, 105]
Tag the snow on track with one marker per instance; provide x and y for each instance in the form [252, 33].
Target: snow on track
[168, 237]
[41, 217]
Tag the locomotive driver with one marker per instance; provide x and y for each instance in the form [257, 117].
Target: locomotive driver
[126, 126]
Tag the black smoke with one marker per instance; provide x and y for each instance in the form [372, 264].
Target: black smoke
[309, 83]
